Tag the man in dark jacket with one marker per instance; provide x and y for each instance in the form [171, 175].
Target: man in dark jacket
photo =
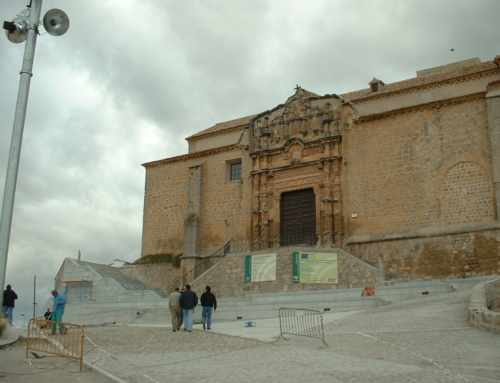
[9, 296]
[188, 301]
[208, 302]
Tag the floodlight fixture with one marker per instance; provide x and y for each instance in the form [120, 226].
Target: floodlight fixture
[17, 29]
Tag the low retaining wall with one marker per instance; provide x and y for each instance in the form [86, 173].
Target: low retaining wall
[99, 313]
[263, 306]
[492, 291]
[479, 314]
[260, 306]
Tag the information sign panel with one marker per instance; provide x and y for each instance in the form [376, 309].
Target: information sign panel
[260, 268]
[315, 268]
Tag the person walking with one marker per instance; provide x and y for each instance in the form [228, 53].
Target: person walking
[188, 301]
[175, 309]
[58, 312]
[208, 302]
[182, 311]
[9, 296]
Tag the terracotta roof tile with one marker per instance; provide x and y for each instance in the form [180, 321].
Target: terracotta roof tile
[242, 121]
[422, 81]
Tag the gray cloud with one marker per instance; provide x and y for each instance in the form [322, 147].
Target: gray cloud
[131, 79]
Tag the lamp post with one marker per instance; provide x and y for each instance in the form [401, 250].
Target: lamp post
[24, 27]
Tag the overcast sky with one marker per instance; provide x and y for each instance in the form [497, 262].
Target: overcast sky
[131, 79]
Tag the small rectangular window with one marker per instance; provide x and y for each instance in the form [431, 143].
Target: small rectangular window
[236, 171]
[426, 129]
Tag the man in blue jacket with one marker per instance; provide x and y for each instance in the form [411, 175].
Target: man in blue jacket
[188, 301]
[58, 312]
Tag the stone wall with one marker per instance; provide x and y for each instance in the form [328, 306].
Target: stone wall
[227, 277]
[162, 276]
[433, 254]
[493, 108]
[99, 313]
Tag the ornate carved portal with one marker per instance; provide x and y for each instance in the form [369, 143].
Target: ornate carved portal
[287, 202]
[296, 147]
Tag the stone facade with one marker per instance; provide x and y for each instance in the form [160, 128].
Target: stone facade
[219, 208]
[409, 171]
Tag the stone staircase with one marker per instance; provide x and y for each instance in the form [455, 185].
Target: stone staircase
[156, 316]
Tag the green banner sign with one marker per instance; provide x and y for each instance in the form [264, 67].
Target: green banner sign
[315, 268]
[260, 268]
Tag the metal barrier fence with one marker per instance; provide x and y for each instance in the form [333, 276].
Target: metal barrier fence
[69, 343]
[301, 322]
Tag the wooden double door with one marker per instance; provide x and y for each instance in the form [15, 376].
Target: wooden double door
[298, 218]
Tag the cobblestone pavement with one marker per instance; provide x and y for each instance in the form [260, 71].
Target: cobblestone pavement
[14, 368]
[423, 340]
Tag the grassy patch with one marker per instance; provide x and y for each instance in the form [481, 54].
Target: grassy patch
[160, 258]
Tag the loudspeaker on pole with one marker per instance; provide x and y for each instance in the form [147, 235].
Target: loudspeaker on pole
[56, 22]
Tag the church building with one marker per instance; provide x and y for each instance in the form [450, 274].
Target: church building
[404, 176]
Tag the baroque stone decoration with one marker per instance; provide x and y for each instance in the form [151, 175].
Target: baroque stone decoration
[297, 143]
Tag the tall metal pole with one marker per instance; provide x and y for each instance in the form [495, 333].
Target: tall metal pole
[17, 137]
[34, 297]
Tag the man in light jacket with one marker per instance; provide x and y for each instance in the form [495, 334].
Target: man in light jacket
[58, 312]
[175, 308]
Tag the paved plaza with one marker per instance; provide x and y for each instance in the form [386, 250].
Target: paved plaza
[424, 340]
